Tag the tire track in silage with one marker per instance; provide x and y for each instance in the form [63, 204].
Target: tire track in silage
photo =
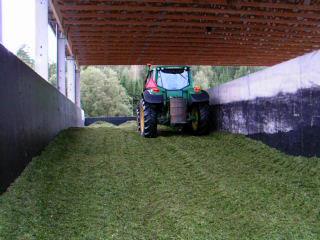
[190, 177]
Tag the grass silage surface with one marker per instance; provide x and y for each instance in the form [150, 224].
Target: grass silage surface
[107, 182]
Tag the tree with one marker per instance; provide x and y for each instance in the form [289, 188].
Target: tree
[102, 94]
[53, 74]
[203, 76]
[116, 90]
[23, 54]
[244, 70]
[210, 76]
[131, 78]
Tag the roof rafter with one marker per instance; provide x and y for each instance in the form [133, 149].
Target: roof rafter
[189, 31]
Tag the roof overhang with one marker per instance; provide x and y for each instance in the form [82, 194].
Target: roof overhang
[171, 32]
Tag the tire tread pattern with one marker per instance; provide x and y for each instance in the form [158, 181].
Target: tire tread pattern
[150, 120]
[204, 122]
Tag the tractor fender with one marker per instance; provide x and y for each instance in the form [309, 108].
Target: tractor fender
[150, 98]
[200, 97]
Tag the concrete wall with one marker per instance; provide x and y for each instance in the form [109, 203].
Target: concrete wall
[114, 120]
[279, 105]
[32, 112]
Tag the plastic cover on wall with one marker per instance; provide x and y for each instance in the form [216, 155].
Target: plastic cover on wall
[287, 77]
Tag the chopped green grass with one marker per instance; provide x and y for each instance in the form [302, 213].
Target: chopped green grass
[129, 125]
[110, 183]
[98, 124]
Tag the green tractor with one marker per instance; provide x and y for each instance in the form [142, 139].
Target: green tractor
[170, 98]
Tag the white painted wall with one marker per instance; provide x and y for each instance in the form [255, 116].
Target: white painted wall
[77, 89]
[287, 77]
[41, 48]
[61, 64]
[71, 85]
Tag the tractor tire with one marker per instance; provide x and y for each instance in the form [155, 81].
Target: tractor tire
[138, 116]
[147, 120]
[201, 124]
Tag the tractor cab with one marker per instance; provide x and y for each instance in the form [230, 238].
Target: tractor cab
[168, 78]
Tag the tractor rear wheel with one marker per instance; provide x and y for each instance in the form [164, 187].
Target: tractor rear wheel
[147, 120]
[201, 121]
[138, 116]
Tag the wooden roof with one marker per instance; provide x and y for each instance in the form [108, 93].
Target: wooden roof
[217, 32]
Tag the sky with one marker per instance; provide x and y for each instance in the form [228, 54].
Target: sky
[19, 27]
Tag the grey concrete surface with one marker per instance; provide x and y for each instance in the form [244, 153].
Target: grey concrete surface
[32, 113]
[279, 106]
[114, 120]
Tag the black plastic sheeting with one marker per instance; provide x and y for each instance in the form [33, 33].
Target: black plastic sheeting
[303, 141]
[294, 116]
[114, 120]
[32, 113]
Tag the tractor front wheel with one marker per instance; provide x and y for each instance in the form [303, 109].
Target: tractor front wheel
[147, 124]
[200, 119]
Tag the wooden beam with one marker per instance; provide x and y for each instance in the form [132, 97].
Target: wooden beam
[58, 18]
[218, 41]
[199, 24]
[265, 5]
[193, 12]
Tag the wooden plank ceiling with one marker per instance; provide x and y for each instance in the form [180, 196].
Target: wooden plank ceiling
[217, 32]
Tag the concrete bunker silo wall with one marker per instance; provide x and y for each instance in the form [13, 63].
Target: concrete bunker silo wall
[32, 112]
[279, 105]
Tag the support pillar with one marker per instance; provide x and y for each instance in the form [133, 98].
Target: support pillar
[41, 48]
[61, 63]
[71, 71]
[78, 102]
[1, 36]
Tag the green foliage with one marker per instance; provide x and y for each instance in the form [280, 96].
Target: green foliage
[23, 54]
[109, 183]
[102, 93]
[209, 76]
[53, 74]
[204, 76]
[116, 90]
[131, 79]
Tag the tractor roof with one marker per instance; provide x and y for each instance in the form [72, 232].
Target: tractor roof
[168, 67]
